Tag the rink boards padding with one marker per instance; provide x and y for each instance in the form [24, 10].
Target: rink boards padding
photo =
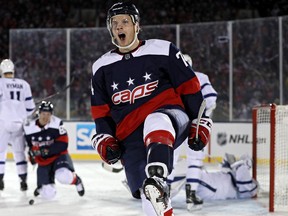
[234, 138]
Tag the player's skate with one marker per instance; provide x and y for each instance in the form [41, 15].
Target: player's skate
[1, 185]
[23, 186]
[23, 182]
[80, 187]
[156, 190]
[193, 201]
[37, 191]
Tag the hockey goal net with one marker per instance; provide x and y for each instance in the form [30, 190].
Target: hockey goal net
[270, 153]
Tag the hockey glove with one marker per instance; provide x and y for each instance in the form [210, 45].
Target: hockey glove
[44, 151]
[107, 147]
[30, 118]
[32, 156]
[204, 132]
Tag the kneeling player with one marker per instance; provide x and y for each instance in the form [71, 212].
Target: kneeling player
[48, 143]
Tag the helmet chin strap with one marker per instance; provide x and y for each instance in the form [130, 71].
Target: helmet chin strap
[128, 46]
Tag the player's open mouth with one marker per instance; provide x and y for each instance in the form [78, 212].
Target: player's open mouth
[122, 36]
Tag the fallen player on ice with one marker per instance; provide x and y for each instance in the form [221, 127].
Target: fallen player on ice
[233, 181]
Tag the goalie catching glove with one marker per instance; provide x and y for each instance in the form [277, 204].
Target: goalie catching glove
[204, 132]
[107, 147]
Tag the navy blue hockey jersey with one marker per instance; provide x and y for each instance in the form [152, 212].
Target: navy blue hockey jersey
[125, 88]
[52, 136]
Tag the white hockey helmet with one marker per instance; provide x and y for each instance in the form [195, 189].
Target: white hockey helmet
[7, 66]
[188, 59]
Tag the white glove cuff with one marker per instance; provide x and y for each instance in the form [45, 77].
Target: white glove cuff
[98, 139]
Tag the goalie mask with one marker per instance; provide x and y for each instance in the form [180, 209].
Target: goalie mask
[7, 66]
[46, 106]
[123, 8]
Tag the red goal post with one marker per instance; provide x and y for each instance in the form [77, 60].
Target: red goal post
[270, 153]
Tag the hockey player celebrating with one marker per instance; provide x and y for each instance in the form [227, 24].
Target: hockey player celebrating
[48, 143]
[194, 159]
[144, 100]
[16, 103]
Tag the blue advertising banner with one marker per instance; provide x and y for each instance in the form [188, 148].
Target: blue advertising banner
[84, 133]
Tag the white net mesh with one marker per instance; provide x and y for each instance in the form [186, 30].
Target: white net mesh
[281, 154]
[281, 157]
[263, 147]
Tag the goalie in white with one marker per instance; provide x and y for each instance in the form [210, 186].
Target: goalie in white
[233, 181]
[195, 158]
[16, 103]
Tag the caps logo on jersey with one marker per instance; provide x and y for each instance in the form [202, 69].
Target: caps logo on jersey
[136, 93]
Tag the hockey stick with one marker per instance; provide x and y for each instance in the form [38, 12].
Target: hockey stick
[112, 169]
[35, 113]
[58, 92]
[200, 113]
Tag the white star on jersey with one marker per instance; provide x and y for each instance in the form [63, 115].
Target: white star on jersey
[130, 81]
[147, 76]
[115, 86]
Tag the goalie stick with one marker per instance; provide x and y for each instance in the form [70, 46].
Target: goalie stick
[58, 92]
[112, 169]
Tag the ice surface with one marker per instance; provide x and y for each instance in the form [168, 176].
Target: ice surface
[105, 195]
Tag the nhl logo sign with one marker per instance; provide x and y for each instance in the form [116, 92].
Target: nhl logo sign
[222, 139]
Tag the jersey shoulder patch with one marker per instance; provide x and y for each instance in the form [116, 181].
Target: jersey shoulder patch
[55, 122]
[154, 47]
[106, 59]
[31, 128]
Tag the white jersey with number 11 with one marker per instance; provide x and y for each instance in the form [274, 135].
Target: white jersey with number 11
[16, 101]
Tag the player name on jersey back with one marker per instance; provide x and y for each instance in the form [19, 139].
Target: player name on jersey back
[14, 85]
